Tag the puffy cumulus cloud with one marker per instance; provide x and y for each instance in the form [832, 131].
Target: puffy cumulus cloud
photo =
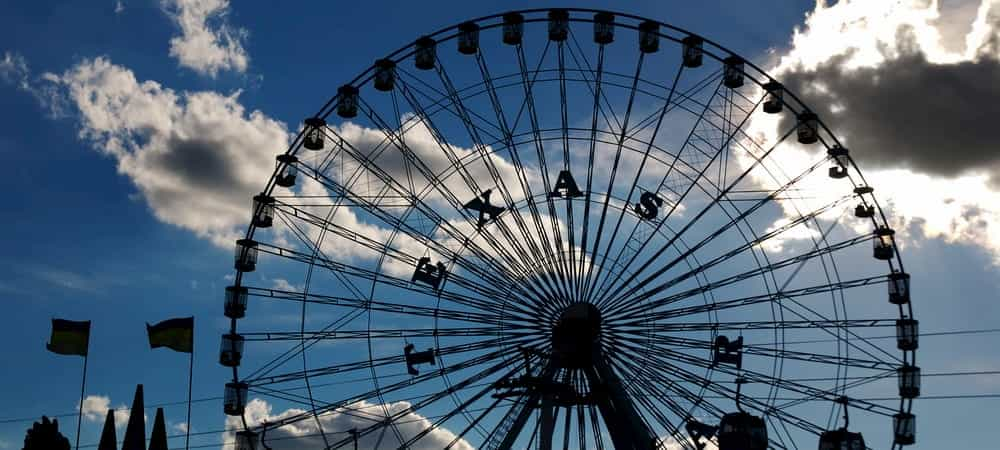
[910, 87]
[305, 434]
[196, 157]
[207, 44]
[95, 409]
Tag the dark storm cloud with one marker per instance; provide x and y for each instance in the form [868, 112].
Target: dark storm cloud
[941, 119]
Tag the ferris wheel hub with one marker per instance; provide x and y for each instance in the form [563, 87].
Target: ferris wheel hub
[576, 336]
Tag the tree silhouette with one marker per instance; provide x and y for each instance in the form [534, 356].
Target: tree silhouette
[45, 436]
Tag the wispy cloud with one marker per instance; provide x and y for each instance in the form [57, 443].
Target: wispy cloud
[15, 71]
[68, 280]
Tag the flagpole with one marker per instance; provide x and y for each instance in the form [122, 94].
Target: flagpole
[187, 433]
[83, 386]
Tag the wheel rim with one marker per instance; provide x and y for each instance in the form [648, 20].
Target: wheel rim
[510, 279]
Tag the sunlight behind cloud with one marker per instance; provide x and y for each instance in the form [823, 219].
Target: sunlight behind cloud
[931, 158]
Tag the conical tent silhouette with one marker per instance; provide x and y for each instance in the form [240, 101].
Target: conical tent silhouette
[109, 439]
[158, 440]
[135, 433]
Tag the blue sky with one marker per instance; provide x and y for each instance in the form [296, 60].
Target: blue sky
[87, 237]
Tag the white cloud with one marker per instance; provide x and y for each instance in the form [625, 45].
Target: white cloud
[282, 284]
[14, 70]
[207, 44]
[95, 409]
[304, 434]
[180, 427]
[197, 158]
[904, 85]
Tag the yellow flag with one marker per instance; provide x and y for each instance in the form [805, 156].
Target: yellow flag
[69, 337]
[175, 334]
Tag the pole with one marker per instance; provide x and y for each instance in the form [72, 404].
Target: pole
[83, 386]
[187, 431]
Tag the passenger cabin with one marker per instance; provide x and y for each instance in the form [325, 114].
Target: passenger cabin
[732, 75]
[899, 288]
[904, 426]
[313, 139]
[231, 351]
[775, 97]
[425, 53]
[604, 28]
[909, 381]
[864, 211]
[692, 51]
[841, 439]
[287, 170]
[558, 25]
[907, 334]
[742, 431]
[468, 38]
[234, 401]
[513, 28]
[807, 129]
[882, 246]
[348, 106]
[263, 210]
[649, 36]
[246, 255]
[236, 302]
[385, 75]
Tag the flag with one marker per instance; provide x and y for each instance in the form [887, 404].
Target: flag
[176, 334]
[69, 337]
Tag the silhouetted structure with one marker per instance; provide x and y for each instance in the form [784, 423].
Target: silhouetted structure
[109, 439]
[45, 436]
[135, 433]
[158, 440]
[594, 317]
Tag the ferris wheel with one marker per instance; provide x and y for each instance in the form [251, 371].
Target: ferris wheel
[576, 229]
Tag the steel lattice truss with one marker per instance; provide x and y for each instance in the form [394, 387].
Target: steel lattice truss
[568, 231]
